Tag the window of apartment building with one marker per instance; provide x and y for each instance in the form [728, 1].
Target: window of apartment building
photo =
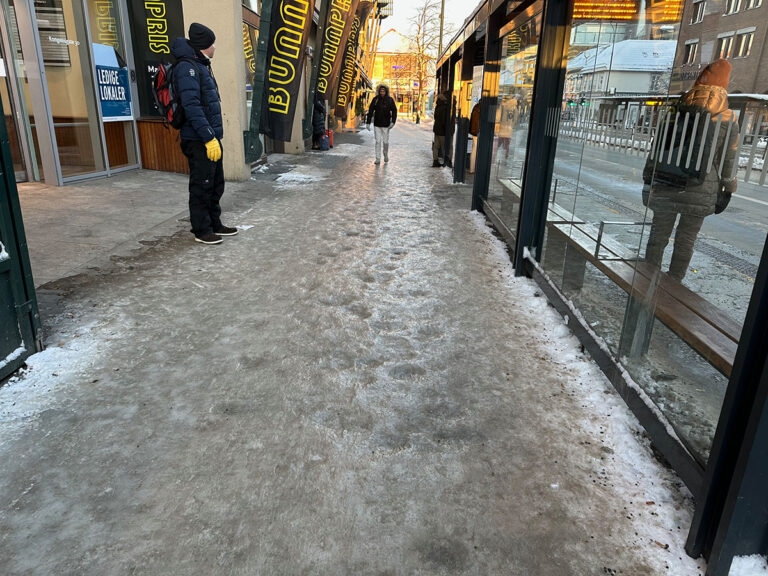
[753, 4]
[691, 51]
[698, 12]
[732, 6]
[744, 43]
[724, 46]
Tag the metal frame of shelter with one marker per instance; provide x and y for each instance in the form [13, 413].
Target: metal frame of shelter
[731, 516]
[20, 329]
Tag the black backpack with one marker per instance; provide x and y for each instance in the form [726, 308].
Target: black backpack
[683, 147]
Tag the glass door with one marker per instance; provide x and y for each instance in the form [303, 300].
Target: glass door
[19, 164]
[16, 98]
[63, 39]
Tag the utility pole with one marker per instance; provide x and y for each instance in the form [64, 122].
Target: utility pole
[442, 21]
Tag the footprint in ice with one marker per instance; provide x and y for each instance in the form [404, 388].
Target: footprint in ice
[406, 371]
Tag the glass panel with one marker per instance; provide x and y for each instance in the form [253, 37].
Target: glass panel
[16, 62]
[10, 118]
[513, 109]
[109, 50]
[640, 234]
[69, 76]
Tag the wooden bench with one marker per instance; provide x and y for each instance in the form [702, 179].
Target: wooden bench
[702, 325]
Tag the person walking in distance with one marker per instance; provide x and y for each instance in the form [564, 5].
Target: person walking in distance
[440, 129]
[201, 132]
[383, 113]
[670, 190]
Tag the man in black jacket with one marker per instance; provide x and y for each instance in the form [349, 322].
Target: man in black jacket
[383, 113]
[202, 132]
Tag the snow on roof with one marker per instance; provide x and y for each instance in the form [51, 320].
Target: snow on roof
[628, 56]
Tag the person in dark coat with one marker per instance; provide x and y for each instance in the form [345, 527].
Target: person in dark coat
[440, 129]
[695, 201]
[383, 113]
[201, 132]
[318, 123]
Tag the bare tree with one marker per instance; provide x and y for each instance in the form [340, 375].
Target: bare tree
[425, 43]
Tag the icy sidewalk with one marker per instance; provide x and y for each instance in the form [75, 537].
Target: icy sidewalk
[356, 384]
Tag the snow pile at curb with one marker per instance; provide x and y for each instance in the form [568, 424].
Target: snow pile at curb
[749, 566]
[636, 475]
[51, 374]
[301, 176]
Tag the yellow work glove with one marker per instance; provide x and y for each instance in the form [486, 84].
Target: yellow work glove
[213, 149]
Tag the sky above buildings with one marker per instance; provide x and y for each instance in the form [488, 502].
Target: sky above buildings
[403, 10]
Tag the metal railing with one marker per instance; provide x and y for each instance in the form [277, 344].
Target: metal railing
[639, 136]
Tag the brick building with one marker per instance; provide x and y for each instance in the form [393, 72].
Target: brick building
[732, 29]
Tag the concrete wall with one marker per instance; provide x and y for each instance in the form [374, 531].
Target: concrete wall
[228, 64]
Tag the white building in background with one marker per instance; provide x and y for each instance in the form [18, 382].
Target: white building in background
[629, 67]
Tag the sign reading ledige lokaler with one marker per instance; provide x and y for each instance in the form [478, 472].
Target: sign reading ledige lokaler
[114, 93]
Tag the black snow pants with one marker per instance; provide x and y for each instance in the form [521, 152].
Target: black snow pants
[206, 186]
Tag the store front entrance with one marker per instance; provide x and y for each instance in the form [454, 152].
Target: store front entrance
[69, 88]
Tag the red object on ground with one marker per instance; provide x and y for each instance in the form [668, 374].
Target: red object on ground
[329, 133]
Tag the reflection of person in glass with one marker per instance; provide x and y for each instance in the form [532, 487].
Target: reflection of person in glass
[440, 129]
[506, 121]
[694, 201]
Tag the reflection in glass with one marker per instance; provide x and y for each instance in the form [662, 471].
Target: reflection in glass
[660, 263]
[512, 119]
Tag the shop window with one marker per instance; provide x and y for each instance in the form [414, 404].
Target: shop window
[691, 51]
[732, 6]
[724, 46]
[698, 12]
[744, 44]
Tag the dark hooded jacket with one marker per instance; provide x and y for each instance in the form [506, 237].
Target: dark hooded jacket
[382, 111]
[318, 118]
[194, 82]
[441, 115]
[701, 199]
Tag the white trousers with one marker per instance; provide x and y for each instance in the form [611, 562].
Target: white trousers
[382, 138]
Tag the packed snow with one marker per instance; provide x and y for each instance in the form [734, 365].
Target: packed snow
[643, 479]
[13, 356]
[749, 566]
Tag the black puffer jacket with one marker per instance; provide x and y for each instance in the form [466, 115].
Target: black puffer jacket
[383, 110]
[199, 93]
[702, 199]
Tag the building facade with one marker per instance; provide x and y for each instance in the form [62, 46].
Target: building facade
[76, 77]
[732, 29]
